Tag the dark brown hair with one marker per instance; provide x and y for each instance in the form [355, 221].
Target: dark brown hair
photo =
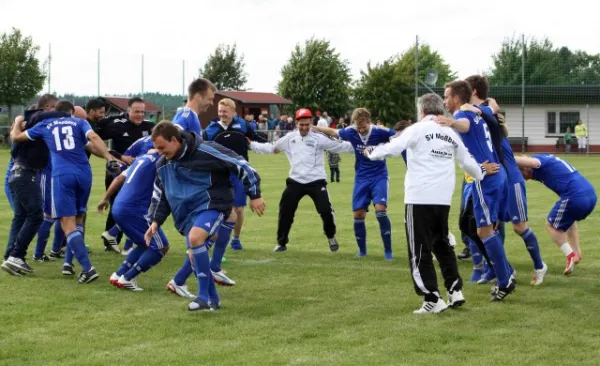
[480, 85]
[460, 88]
[166, 130]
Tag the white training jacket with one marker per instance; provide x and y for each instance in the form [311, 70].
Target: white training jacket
[306, 154]
[431, 150]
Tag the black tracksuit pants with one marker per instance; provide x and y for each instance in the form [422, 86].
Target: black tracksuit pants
[427, 233]
[110, 221]
[288, 204]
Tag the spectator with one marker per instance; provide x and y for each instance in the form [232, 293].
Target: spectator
[251, 122]
[271, 124]
[581, 135]
[334, 165]
[316, 118]
[568, 140]
[341, 124]
[326, 116]
[323, 121]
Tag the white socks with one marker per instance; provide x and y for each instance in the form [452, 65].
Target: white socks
[566, 248]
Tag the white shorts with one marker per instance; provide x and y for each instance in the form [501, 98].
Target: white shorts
[581, 142]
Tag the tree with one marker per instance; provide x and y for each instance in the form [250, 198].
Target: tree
[387, 89]
[20, 74]
[544, 64]
[225, 68]
[316, 77]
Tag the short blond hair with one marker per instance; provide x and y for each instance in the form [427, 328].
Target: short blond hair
[227, 102]
[361, 115]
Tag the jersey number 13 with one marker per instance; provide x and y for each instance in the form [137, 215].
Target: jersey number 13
[68, 142]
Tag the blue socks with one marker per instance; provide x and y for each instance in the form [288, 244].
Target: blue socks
[360, 232]
[130, 260]
[221, 245]
[386, 231]
[495, 249]
[128, 244]
[203, 274]
[184, 272]
[477, 259]
[114, 231]
[149, 259]
[76, 245]
[42, 237]
[533, 248]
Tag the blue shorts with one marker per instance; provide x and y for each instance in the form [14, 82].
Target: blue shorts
[209, 221]
[489, 199]
[516, 203]
[135, 225]
[46, 187]
[239, 195]
[568, 210]
[70, 194]
[365, 192]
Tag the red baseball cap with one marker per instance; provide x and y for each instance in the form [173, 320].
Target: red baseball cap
[303, 113]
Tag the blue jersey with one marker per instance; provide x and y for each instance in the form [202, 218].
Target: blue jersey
[188, 120]
[140, 147]
[136, 192]
[66, 138]
[478, 139]
[364, 167]
[560, 176]
[512, 169]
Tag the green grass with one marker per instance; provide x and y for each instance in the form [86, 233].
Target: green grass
[308, 305]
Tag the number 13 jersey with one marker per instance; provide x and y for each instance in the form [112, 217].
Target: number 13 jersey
[66, 138]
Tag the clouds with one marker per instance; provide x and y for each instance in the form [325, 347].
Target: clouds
[266, 32]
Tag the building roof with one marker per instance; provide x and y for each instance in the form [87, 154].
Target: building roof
[255, 97]
[539, 94]
[121, 103]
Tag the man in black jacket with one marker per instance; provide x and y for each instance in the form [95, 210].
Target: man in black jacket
[29, 160]
[123, 130]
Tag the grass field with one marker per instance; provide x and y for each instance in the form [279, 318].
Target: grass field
[307, 305]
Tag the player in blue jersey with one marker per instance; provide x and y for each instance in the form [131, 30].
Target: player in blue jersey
[46, 188]
[66, 139]
[135, 186]
[515, 207]
[577, 201]
[231, 132]
[199, 199]
[201, 93]
[137, 149]
[371, 182]
[488, 193]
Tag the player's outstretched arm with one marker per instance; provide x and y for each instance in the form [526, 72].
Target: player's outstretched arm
[461, 125]
[16, 131]
[527, 162]
[395, 147]
[335, 146]
[111, 192]
[97, 147]
[327, 130]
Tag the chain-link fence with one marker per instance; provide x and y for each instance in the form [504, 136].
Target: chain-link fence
[550, 96]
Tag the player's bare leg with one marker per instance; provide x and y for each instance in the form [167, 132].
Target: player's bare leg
[560, 239]
[573, 236]
[237, 230]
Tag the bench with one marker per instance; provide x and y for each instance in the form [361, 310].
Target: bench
[518, 141]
